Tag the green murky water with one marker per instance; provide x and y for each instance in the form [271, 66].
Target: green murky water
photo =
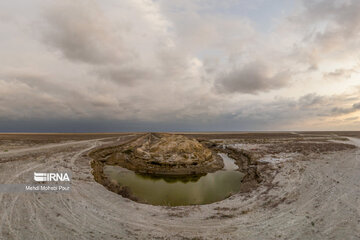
[177, 191]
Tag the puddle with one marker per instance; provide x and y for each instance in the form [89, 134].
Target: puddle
[229, 163]
[352, 140]
[178, 191]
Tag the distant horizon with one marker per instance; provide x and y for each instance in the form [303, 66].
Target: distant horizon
[185, 132]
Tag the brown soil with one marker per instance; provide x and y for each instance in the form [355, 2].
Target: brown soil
[161, 154]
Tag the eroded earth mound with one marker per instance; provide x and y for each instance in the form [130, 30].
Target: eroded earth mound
[163, 154]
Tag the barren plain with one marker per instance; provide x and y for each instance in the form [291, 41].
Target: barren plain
[308, 188]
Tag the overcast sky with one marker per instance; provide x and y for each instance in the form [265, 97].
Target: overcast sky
[178, 65]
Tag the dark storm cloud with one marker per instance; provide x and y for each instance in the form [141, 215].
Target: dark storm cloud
[225, 123]
[252, 78]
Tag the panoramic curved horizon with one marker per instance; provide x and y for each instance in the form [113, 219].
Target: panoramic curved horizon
[180, 65]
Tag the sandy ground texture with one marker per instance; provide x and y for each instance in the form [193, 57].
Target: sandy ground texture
[310, 190]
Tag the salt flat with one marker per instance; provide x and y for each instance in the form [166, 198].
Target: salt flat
[315, 194]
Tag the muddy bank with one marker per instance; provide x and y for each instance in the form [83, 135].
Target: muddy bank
[247, 163]
[99, 176]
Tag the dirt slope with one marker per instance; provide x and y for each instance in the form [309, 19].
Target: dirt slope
[161, 154]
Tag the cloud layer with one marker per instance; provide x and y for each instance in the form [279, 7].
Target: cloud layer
[183, 65]
[252, 78]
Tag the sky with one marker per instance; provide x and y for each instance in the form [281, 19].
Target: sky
[179, 65]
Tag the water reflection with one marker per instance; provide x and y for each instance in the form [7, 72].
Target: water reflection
[171, 179]
[229, 163]
[175, 191]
